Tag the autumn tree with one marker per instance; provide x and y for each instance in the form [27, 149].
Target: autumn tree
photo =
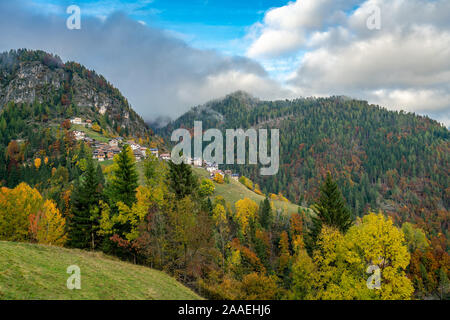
[96, 127]
[123, 227]
[218, 178]
[303, 271]
[284, 259]
[246, 211]
[221, 223]
[415, 237]
[37, 163]
[206, 188]
[47, 226]
[257, 286]
[191, 238]
[16, 206]
[376, 241]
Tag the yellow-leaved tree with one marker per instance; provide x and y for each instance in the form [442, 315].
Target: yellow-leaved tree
[246, 210]
[221, 222]
[340, 268]
[132, 217]
[37, 163]
[16, 205]
[48, 225]
[25, 216]
[376, 241]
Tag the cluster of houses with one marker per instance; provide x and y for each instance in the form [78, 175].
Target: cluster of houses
[77, 120]
[211, 167]
[106, 151]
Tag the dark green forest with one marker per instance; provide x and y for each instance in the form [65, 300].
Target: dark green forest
[394, 161]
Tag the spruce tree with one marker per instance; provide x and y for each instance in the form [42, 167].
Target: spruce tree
[266, 216]
[181, 180]
[125, 180]
[83, 222]
[331, 210]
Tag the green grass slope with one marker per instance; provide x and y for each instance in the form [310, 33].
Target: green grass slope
[29, 271]
[235, 191]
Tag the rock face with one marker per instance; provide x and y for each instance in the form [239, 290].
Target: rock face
[29, 82]
[37, 77]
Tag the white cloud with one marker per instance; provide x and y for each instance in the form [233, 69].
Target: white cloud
[160, 74]
[404, 65]
[286, 29]
[217, 85]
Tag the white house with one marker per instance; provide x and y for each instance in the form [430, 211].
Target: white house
[212, 167]
[79, 135]
[165, 156]
[76, 121]
[113, 143]
[135, 146]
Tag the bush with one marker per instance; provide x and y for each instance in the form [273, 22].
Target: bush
[206, 188]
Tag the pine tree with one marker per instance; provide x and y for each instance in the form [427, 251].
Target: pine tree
[100, 176]
[331, 211]
[181, 180]
[85, 198]
[125, 181]
[266, 215]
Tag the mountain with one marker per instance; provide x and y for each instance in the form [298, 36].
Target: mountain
[102, 277]
[39, 94]
[383, 160]
[65, 90]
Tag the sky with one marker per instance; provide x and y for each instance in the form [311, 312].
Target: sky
[167, 56]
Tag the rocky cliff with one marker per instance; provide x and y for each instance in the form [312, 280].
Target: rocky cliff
[28, 76]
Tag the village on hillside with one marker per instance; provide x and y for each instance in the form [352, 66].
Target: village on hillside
[107, 150]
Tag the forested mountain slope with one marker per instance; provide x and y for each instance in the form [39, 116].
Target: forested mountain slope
[39, 94]
[56, 91]
[394, 161]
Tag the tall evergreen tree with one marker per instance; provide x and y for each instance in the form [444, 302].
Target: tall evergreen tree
[125, 180]
[83, 222]
[265, 215]
[181, 180]
[331, 210]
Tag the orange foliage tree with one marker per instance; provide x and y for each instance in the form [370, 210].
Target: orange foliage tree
[25, 216]
[47, 226]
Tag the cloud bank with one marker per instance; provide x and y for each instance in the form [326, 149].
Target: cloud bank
[159, 74]
[403, 65]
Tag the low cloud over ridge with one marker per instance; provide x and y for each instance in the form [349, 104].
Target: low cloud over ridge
[159, 74]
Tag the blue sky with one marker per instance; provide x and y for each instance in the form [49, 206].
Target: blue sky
[206, 24]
